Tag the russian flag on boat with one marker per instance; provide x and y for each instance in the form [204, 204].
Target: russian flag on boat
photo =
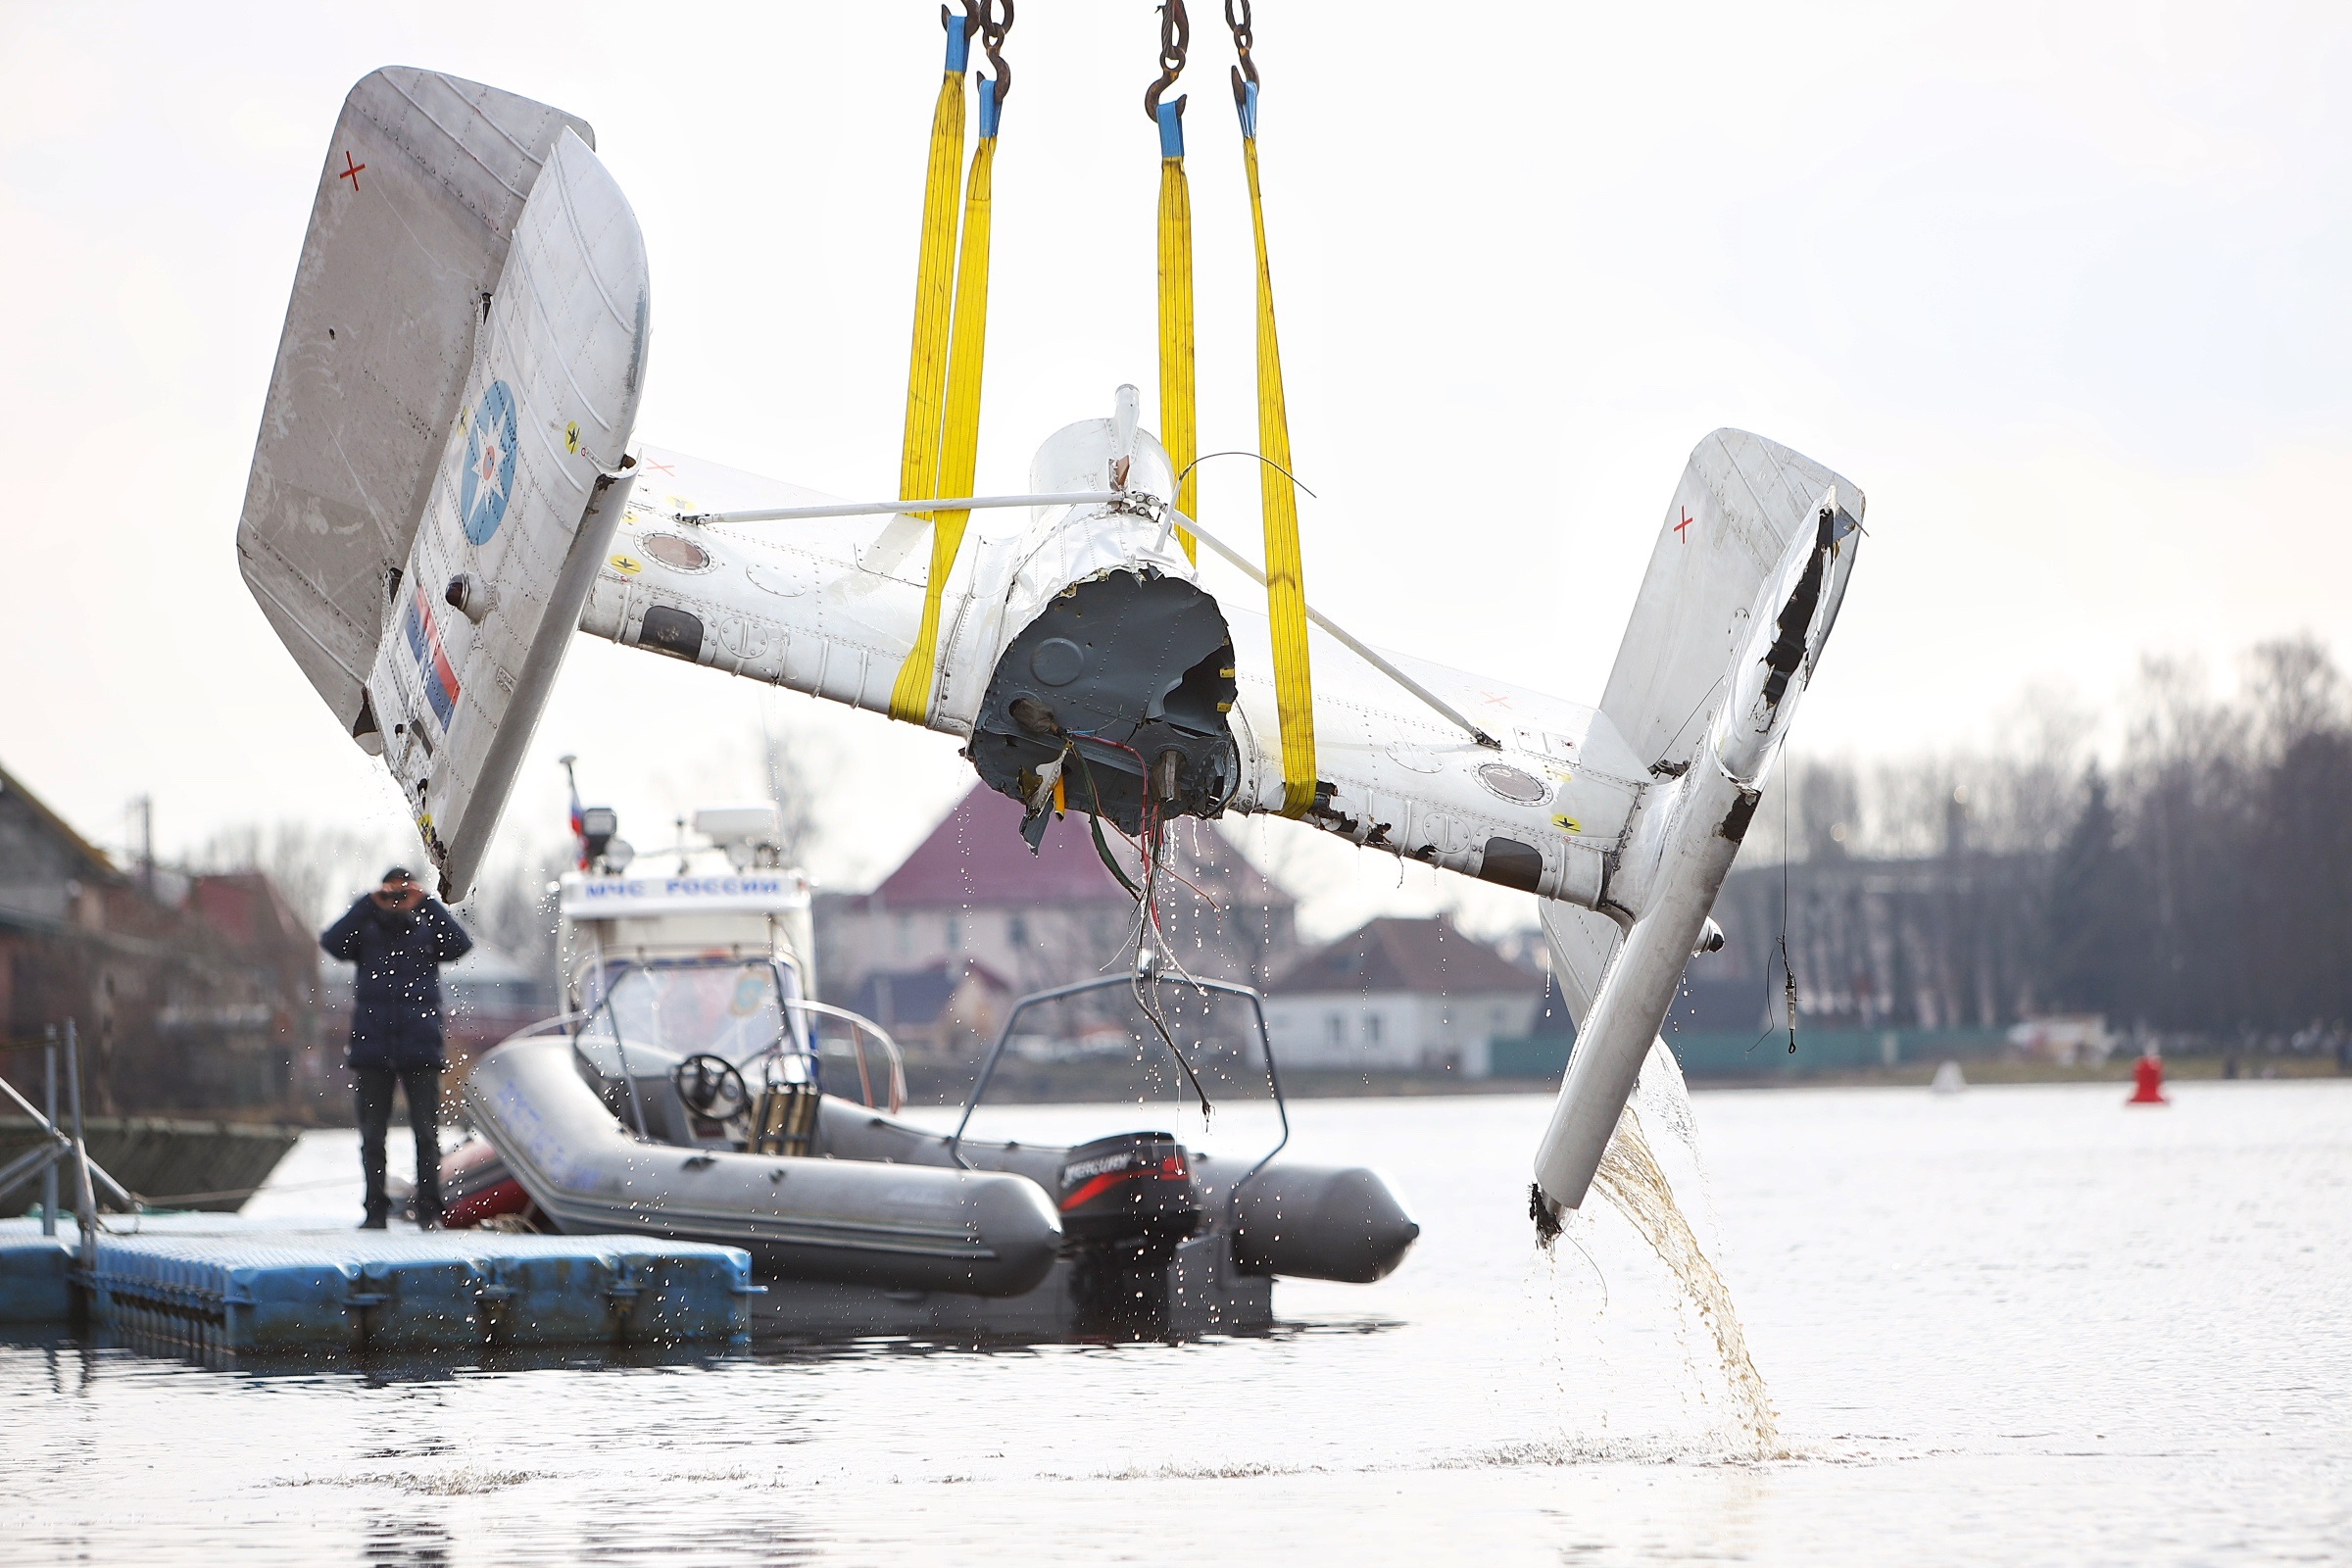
[439, 680]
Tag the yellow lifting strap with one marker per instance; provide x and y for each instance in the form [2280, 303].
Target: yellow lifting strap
[956, 454]
[927, 362]
[1178, 419]
[1179, 416]
[1285, 591]
[959, 433]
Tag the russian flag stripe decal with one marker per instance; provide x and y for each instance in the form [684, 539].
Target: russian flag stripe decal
[440, 682]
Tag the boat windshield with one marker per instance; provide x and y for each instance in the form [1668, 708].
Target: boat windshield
[728, 1008]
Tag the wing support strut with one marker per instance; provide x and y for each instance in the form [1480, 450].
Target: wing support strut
[875, 509]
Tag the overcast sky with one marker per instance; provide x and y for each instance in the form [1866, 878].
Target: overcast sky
[2062, 288]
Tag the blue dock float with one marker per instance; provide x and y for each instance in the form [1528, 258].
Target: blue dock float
[212, 1284]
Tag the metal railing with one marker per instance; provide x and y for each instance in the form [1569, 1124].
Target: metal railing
[59, 1146]
[859, 1027]
[1156, 979]
[803, 1039]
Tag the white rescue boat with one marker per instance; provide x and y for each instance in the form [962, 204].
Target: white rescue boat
[685, 1095]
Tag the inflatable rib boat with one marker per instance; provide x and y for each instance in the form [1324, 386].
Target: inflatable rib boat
[687, 1099]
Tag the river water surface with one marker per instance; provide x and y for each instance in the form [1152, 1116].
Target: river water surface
[2014, 1325]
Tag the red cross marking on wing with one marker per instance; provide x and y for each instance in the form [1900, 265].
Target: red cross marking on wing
[351, 171]
[1685, 524]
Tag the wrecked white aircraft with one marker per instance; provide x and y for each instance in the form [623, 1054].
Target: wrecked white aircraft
[445, 488]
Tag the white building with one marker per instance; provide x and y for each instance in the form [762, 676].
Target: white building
[1399, 995]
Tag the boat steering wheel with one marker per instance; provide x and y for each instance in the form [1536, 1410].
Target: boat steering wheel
[711, 1087]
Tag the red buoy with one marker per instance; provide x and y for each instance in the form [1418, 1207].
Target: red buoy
[2147, 1082]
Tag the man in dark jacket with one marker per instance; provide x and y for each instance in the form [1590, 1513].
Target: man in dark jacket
[399, 937]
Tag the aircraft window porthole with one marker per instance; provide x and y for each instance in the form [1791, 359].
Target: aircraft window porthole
[1513, 784]
[675, 551]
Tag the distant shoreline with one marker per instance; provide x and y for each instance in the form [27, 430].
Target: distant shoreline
[1026, 1084]
[934, 1085]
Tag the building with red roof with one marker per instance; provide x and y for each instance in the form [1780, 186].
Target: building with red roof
[973, 892]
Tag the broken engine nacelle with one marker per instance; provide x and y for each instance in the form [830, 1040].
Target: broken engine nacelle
[1126, 680]
[1116, 674]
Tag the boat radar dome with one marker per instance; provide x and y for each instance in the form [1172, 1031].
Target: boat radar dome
[751, 835]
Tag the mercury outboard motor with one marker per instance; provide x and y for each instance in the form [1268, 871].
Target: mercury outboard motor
[1126, 1202]
[1130, 1196]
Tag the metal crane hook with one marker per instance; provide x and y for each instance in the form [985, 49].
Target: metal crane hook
[992, 40]
[1175, 37]
[1244, 74]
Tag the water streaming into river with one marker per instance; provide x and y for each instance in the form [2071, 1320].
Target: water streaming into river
[1631, 1181]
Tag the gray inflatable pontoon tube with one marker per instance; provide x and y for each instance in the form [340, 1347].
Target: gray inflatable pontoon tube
[1320, 1222]
[895, 1227]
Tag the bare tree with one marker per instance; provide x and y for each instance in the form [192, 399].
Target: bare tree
[318, 869]
[797, 771]
[2201, 885]
[513, 905]
[2296, 690]
[1828, 801]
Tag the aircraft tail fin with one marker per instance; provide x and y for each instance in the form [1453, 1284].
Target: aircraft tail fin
[1741, 500]
[418, 200]
[1744, 586]
[441, 460]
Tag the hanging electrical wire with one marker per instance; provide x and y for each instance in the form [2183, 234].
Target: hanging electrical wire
[1179, 417]
[1148, 938]
[1787, 969]
[1286, 592]
[958, 439]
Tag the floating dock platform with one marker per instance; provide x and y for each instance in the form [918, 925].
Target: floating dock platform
[219, 1286]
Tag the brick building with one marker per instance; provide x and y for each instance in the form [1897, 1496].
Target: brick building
[190, 993]
[972, 892]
